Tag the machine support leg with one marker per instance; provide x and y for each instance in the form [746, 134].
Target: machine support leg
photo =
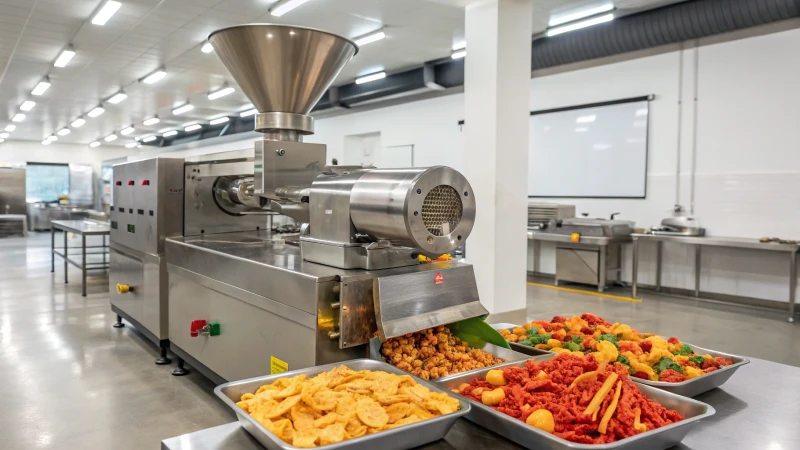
[163, 359]
[792, 283]
[103, 249]
[635, 267]
[698, 255]
[659, 260]
[66, 255]
[83, 263]
[119, 323]
[603, 275]
[180, 370]
[52, 249]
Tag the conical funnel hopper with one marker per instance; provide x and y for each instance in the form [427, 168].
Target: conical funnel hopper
[282, 68]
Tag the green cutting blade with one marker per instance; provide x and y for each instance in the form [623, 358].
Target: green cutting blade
[476, 332]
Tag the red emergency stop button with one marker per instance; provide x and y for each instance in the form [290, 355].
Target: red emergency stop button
[131, 183]
[119, 183]
[145, 182]
[196, 326]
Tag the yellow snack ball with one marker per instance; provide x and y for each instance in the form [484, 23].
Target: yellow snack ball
[495, 377]
[606, 352]
[543, 420]
[553, 343]
[493, 398]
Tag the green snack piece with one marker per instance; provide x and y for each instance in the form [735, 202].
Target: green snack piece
[526, 342]
[623, 360]
[532, 331]
[610, 338]
[685, 350]
[697, 359]
[577, 339]
[566, 329]
[571, 346]
[667, 363]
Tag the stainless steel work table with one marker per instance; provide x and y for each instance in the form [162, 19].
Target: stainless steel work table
[83, 228]
[713, 241]
[601, 243]
[756, 408]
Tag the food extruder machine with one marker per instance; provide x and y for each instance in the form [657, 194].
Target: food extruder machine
[248, 303]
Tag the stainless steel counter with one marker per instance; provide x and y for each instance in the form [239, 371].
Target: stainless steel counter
[83, 228]
[752, 412]
[565, 238]
[713, 241]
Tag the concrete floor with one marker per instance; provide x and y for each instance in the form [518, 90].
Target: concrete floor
[70, 380]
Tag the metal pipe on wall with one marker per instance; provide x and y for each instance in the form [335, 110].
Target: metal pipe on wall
[680, 128]
[694, 126]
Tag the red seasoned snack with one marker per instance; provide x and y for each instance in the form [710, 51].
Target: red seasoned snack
[573, 397]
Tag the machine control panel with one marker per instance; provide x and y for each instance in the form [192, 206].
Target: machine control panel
[198, 327]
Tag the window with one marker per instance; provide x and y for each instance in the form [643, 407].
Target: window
[45, 182]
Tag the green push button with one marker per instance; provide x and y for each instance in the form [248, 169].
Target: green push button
[213, 328]
[131, 228]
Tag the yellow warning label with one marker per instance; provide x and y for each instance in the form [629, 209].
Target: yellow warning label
[277, 366]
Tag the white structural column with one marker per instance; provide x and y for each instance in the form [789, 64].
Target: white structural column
[497, 98]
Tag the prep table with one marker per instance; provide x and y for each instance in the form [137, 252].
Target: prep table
[609, 251]
[713, 241]
[750, 414]
[83, 228]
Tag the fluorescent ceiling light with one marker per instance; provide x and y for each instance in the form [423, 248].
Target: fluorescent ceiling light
[151, 121]
[94, 144]
[106, 12]
[18, 118]
[370, 38]
[578, 25]
[64, 132]
[221, 93]
[586, 119]
[219, 120]
[52, 138]
[148, 139]
[574, 15]
[284, 6]
[45, 142]
[182, 109]
[27, 105]
[77, 123]
[64, 58]
[127, 131]
[196, 126]
[3, 135]
[118, 97]
[2, 140]
[459, 45]
[153, 77]
[41, 87]
[459, 54]
[170, 133]
[641, 112]
[11, 128]
[246, 107]
[207, 48]
[110, 137]
[96, 112]
[371, 77]
[581, 130]
[248, 113]
[131, 144]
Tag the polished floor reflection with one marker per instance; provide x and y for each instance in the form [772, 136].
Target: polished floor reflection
[70, 380]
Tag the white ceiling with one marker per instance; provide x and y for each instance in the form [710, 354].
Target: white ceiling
[147, 34]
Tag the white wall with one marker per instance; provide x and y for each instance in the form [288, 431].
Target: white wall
[29, 151]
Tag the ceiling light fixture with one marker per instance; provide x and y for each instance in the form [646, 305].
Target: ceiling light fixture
[248, 113]
[458, 54]
[461, 45]
[27, 105]
[219, 120]
[118, 97]
[96, 111]
[182, 109]
[10, 128]
[131, 144]
[52, 138]
[94, 144]
[371, 77]
[3, 135]
[170, 133]
[219, 93]
[45, 142]
[151, 121]
[196, 126]
[2, 140]
[77, 123]
[64, 132]
[207, 48]
[64, 58]
[41, 87]
[284, 6]
[578, 25]
[127, 131]
[106, 12]
[370, 38]
[19, 117]
[586, 119]
[155, 76]
[573, 15]
[148, 139]
[111, 137]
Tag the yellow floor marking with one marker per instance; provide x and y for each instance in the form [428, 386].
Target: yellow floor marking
[595, 294]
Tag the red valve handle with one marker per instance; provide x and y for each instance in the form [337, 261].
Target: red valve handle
[196, 326]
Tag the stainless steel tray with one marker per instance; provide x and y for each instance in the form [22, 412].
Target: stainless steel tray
[500, 352]
[688, 388]
[407, 436]
[530, 437]
[531, 351]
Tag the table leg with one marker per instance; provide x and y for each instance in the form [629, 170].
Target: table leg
[659, 260]
[52, 250]
[792, 283]
[536, 252]
[697, 259]
[619, 264]
[603, 275]
[104, 249]
[635, 267]
[66, 255]
[83, 263]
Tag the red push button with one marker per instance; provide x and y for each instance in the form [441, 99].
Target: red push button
[131, 183]
[119, 183]
[196, 326]
[145, 182]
